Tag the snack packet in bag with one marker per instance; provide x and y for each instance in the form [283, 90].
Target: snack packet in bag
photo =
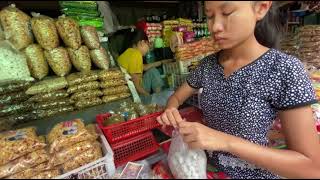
[15, 144]
[67, 133]
[28, 173]
[185, 163]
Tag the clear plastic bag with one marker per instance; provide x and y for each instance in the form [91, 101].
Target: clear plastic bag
[100, 58]
[28, 173]
[54, 104]
[80, 58]
[15, 144]
[16, 26]
[112, 83]
[84, 158]
[45, 31]
[50, 96]
[88, 102]
[83, 87]
[24, 162]
[14, 87]
[105, 75]
[67, 133]
[69, 31]
[82, 77]
[59, 61]
[16, 108]
[185, 163]
[50, 174]
[37, 63]
[111, 98]
[116, 90]
[50, 112]
[48, 85]
[86, 94]
[13, 98]
[90, 37]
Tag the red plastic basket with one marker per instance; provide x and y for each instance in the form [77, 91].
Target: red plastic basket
[134, 148]
[121, 131]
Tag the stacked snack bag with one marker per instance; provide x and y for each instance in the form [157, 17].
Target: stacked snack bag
[153, 30]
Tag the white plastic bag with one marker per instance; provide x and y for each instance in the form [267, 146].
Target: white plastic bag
[186, 163]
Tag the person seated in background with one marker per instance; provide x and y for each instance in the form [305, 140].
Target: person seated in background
[146, 77]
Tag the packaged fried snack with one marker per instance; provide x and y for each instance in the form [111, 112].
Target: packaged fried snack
[17, 143]
[59, 61]
[48, 85]
[112, 83]
[14, 87]
[90, 37]
[105, 75]
[116, 90]
[17, 119]
[86, 94]
[80, 58]
[92, 128]
[13, 98]
[67, 133]
[50, 112]
[69, 31]
[16, 26]
[50, 96]
[107, 99]
[69, 153]
[89, 102]
[100, 58]
[82, 77]
[28, 173]
[25, 162]
[83, 158]
[45, 31]
[83, 87]
[16, 108]
[54, 104]
[37, 63]
[50, 174]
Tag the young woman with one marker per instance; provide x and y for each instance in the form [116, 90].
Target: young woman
[145, 77]
[244, 86]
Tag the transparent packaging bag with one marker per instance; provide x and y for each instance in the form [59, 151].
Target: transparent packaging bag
[59, 61]
[100, 58]
[50, 96]
[83, 87]
[48, 85]
[186, 163]
[69, 31]
[80, 58]
[37, 63]
[82, 77]
[90, 37]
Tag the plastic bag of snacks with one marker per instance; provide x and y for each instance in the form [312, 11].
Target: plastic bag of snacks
[69, 31]
[50, 96]
[90, 37]
[15, 144]
[28, 173]
[59, 61]
[116, 90]
[16, 26]
[112, 83]
[13, 64]
[20, 118]
[67, 133]
[80, 58]
[54, 104]
[82, 77]
[51, 112]
[45, 31]
[24, 162]
[37, 64]
[100, 58]
[89, 102]
[83, 87]
[50, 174]
[107, 99]
[14, 87]
[185, 163]
[13, 98]
[86, 94]
[16, 108]
[69, 153]
[48, 85]
[92, 128]
[112, 74]
[84, 158]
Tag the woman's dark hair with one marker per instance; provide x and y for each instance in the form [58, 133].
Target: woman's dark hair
[268, 31]
[132, 37]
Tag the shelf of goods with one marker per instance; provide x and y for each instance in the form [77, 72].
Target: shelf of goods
[52, 67]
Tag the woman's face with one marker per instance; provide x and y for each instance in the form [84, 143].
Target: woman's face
[233, 22]
[143, 47]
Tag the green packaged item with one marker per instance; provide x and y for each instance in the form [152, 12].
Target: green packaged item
[76, 11]
[79, 4]
[95, 23]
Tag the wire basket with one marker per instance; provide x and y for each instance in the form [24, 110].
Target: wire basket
[103, 168]
[121, 131]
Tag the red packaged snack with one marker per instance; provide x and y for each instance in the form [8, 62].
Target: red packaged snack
[162, 171]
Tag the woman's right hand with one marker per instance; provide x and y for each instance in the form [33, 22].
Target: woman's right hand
[170, 117]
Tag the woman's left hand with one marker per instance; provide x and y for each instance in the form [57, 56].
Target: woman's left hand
[199, 136]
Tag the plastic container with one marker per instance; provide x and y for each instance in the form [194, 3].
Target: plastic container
[103, 168]
[121, 131]
[134, 148]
